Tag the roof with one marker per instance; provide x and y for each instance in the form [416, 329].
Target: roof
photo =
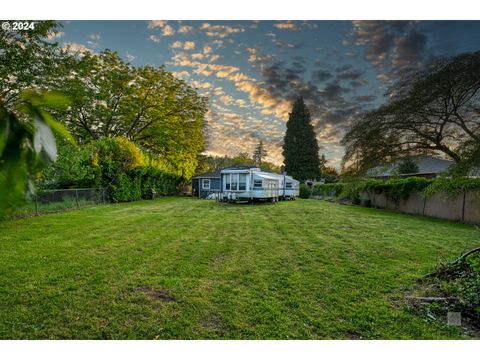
[426, 165]
[269, 176]
[240, 167]
[213, 174]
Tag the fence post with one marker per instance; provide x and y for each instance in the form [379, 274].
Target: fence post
[36, 203]
[76, 197]
[424, 205]
[463, 206]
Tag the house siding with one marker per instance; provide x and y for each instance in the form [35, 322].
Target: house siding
[215, 186]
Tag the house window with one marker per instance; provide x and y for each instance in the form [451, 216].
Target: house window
[227, 182]
[288, 185]
[242, 183]
[206, 184]
[257, 184]
[234, 185]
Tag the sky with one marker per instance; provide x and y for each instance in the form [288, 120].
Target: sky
[252, 71]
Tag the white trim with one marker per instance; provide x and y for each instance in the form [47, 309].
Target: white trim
[203, 184]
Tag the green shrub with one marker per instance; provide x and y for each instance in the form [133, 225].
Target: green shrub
[112, 163]
[395, 189]
[73, 168]
[332, 189]
[453, 186]
[304, 191]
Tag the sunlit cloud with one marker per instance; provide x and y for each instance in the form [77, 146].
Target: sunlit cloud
[288, 25]
[220, 31]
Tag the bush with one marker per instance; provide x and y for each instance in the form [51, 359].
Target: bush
[126, 188]
[112, 163]
[304, 191]
[331, 190]
[453, 186]
[73, 168]
[394, 189]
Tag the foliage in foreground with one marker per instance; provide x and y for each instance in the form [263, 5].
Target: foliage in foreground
[27, 144]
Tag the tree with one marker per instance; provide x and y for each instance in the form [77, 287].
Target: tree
[407, 166]
[146, 105]
[434, 111]
[28, 60]
[329, 173]
[300, 148]
[259, 154]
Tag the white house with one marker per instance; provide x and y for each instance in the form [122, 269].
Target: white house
[252, 184]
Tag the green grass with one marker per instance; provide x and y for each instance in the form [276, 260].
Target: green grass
[304, 269]
[30, 209]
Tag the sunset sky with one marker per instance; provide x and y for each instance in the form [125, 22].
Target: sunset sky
[251, 71]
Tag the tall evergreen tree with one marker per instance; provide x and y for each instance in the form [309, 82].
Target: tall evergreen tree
[300, 148]
[259, 154]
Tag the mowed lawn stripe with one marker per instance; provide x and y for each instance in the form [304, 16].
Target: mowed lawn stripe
[188, 268]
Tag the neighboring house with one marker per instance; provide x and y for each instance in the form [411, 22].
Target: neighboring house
[205, 184]
[428, 167]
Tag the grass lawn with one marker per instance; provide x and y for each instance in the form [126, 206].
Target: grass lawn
[194, 269]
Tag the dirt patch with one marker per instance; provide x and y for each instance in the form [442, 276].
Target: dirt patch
[163, 295]
[215, 324]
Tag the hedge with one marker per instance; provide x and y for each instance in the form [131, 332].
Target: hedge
[397, 189]
[115, 164]
[138, 184]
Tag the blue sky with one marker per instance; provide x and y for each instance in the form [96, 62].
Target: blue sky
[251, 71]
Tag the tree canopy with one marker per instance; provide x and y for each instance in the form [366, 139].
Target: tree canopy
[434, 111]
[300, 149]
[147, 105]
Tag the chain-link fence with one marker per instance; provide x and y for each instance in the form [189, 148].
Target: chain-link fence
[45, 201]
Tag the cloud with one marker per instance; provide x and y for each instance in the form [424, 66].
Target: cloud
[156, 23]
[189, 45]
[226, 99]
[176, 45]
[154, 38]
[289, 25]
[207, 50]
[94, 37]
[76, 48]
[285, 45]
[350, 75]
[220, 31]
[365, 98]
[185, 29]
[391, 45]
[409, 49]
[321, 75]
[166, 29]
[55, 35]
[197, 56]
[130, 57]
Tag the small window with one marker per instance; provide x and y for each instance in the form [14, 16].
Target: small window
[242, 183]
[288, 185]
[227, 182]
[206, 184]
[234, 182]
[257, 183]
